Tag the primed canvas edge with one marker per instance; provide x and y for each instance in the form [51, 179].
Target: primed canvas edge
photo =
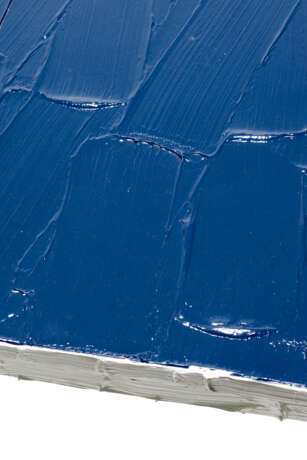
[192, 385]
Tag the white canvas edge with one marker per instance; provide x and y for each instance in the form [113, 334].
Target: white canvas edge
[192, 385]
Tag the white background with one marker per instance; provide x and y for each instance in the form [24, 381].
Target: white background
[42, 421]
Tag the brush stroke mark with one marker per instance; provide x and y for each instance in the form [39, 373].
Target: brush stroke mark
[273, 100]
[192, 102]
[52, 223]
[108, 68]
[144, 179]
[166, 32]
[5, 13]
[42, 21]
[262, 137]
[85, 104]
[280, 31]
[232, 332]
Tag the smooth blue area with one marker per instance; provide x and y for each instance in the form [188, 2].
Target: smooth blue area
[153, 171]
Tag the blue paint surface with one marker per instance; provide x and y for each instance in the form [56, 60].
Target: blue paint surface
[153, 184]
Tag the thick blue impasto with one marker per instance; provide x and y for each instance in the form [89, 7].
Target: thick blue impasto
[153, 171]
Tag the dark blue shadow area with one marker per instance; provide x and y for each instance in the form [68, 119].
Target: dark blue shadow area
[153, 171]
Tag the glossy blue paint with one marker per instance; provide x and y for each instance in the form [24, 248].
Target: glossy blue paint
[153, 183]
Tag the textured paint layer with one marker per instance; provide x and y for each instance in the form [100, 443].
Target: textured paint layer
[153, 182]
